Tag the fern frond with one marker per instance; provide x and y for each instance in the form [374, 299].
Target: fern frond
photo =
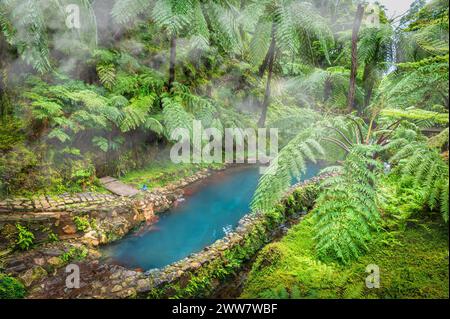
[125, 11]
[175, 117]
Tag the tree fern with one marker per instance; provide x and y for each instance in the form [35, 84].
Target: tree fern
[137, 114]
[346, 210]
[23, 22]
[175, 116]
[289, 165]
[429, 170]
[125, 11]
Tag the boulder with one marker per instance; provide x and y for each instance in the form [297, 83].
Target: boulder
[69, 229]
[39, 261]
[116, 288]
[143, 285]
[55, 262]
[33, 275]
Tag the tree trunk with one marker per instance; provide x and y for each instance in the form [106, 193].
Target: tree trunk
[2, 104]
[368, 77]
[445, 98]
[354, 68]
[3, 107]
[265, 63]
[327, 89]
[265, 105]
[368, 84]
[173, 56]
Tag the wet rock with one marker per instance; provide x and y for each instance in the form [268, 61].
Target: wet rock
[39, 261]
[195, 265]
[143, 285]
[91, 238]
[127, 293]
[94, 253]
[69, 229]
[116, 288]
[115, 275]
[16, 269]
[33, 275]
[55, 262]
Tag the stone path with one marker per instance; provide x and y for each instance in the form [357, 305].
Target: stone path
[53, 203]
[117, 187]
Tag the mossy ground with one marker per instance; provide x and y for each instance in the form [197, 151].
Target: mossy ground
[413, 264]
[163, 172]
[10, 288]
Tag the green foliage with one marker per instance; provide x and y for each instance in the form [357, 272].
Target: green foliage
[401, 200]
[18, 169]
[74, 254]
[414, 114]
[175, 117]
[52, 237]
[328, 86]
[162, 172]
[430, 172]
[82, 223]
[11, 134]
[421, 79]
[346, 211]
[289, 164]
[439, 141]
[25, 238]
[27, 27]
[176, 18]
[11, 288]
[59, 133]
[413, 264]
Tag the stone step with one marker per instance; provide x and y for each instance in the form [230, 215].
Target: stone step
[107, 180]
[117, 187]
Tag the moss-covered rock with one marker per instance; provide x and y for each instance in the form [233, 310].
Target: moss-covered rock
[413, 264]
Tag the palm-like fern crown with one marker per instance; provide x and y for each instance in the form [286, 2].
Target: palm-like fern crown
[375, 45]
[187, 18]
[292, 21]
[23, 24]
[325, 85]
[27, 23]
[346, 211]
[420, 159]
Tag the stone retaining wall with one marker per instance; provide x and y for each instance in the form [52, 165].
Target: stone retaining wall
[110, 217]
[200, 273]
[54, 203]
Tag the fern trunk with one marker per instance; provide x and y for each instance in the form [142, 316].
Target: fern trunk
[2, 93]
[445, 98]
[271, 58]
[368, 77]
[368, 84]
[3, 104]
[354, 68]
[173, 57]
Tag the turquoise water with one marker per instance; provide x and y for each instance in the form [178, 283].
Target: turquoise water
[211, 208]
